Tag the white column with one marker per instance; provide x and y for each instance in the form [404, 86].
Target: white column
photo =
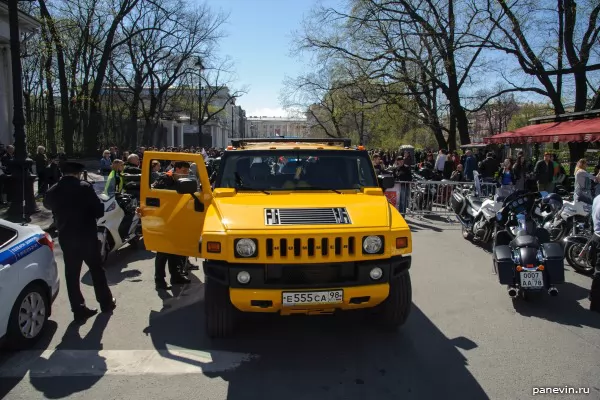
[171, 130]
[181, 134]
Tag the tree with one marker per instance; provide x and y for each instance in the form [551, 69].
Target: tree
[421, 44]
[539, 53]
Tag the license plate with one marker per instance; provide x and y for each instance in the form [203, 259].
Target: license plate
[532, 279]
[308, 298]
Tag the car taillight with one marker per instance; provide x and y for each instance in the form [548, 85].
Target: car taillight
[47, 241]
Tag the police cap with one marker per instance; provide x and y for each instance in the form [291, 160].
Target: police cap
[71, 167]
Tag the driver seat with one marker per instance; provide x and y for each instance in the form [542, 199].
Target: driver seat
[525, 241]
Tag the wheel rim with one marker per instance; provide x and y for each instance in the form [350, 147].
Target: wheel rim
[581, 263]
[32, 315]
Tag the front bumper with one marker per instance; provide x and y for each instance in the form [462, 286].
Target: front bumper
[270, 300]
[306, 276]
[264, 292]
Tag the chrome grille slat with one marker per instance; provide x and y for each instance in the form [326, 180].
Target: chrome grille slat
[319, 247]
[307, 216]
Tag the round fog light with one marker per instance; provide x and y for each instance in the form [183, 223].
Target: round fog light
[376, 273]
[243, 277]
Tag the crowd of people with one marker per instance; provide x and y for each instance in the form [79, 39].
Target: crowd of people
[547, 174]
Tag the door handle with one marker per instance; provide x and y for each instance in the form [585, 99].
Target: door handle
[152, 202]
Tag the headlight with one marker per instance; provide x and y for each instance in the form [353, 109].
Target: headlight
[245, 247]
[499, 216]
[372, 244]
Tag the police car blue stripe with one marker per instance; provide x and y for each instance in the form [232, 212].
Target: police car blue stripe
[20, 250]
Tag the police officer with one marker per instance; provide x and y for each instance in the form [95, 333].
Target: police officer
[595, 290]
[76, 207]
[168, 180]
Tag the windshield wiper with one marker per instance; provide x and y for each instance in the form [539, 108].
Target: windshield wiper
[319, 188]
[240, 185]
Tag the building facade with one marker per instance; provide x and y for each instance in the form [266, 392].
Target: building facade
[263, 127]
[27, 25]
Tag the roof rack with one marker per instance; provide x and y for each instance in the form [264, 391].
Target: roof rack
[239, 142]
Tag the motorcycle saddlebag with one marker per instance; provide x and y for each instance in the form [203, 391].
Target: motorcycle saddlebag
[458, 203]
[554, 262]
[503, 264]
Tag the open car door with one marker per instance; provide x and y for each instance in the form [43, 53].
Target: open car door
[171, 222]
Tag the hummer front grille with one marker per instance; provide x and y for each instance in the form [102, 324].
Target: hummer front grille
[307, 216]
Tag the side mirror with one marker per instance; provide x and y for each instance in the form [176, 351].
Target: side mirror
[190, 186]
[186, 186]
[386, 181]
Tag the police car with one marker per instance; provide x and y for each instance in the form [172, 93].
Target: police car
[29, 283]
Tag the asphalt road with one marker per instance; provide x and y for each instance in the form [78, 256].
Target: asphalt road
[464, 339]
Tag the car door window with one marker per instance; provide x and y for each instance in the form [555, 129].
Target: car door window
[7, 235]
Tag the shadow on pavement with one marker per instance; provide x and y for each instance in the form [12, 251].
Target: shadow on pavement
[416, 226]
[563, 309]
[7, 384]
[318, 357]
[117, 263]
[59, 387]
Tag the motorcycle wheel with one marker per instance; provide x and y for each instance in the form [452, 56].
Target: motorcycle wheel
[466, 233]
[104, 248]
[572, 256]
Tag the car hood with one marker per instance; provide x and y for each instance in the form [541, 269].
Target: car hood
[246, 211]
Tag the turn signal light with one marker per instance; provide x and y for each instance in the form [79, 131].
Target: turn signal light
[540, 267]
[519, 268]
[213, 247]
[401, 242]
[361, 147]
[46, 240]
[229, 147]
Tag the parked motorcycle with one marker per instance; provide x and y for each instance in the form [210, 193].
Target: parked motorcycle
[476, 214]
[422, 194]
[119, 225]
[571, 219]
[529, 261]
[578, 253]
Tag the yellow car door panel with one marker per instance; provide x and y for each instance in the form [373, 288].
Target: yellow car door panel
[172, 222]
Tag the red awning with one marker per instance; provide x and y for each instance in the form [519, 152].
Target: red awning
[585, 130]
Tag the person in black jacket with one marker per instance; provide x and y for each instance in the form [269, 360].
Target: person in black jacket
[76, 208]
[402, 173]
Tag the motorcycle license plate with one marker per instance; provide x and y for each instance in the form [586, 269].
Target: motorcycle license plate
[532, 279]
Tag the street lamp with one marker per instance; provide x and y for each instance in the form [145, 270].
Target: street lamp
[200, 67]
[22, 180]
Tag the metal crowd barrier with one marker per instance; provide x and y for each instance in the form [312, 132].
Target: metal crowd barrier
[422, 199]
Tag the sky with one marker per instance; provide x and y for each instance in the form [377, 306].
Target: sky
[258, 41]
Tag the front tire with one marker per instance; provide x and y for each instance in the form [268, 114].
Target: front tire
[220, 314]
[466, 233]
[104, 247]
[395, 309]
[572, 256]
[28, 318]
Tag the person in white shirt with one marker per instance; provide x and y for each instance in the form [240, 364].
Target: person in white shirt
[595, 289]
[441, 160]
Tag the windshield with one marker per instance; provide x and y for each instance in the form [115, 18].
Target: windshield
[296, 170]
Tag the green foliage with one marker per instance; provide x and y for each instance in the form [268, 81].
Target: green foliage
[528, 111]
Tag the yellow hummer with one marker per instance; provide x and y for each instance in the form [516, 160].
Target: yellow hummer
[289, 226]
